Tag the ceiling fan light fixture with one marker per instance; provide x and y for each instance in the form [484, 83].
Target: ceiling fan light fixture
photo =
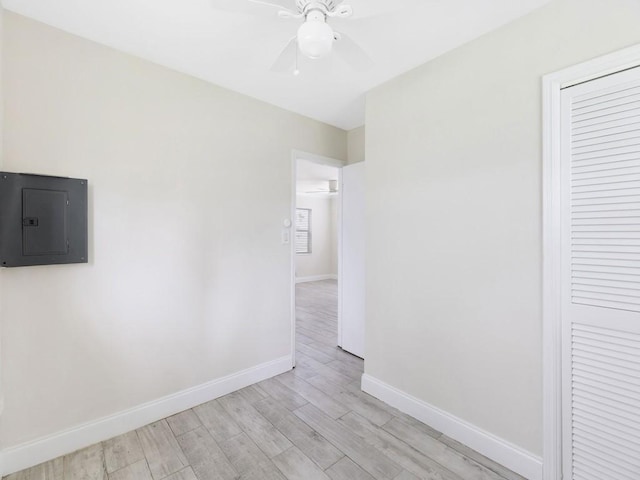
[315, 37]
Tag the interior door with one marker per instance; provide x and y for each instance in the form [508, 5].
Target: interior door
[352, 275]
[601, 278]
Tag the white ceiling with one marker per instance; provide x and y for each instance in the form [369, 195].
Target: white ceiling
[307, 170]
[236, 49]
[313, 177]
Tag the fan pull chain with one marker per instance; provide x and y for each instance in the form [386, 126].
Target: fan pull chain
[296, 70]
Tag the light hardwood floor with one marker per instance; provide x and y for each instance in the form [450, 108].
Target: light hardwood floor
[313, 423]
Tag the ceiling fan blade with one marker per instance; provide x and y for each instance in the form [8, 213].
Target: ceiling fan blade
[287, 58]
[363, 9]
[256, 7]
[352, 53]
[281, 4]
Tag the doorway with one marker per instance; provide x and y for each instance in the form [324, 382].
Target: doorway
[328, 292]
[317, 229]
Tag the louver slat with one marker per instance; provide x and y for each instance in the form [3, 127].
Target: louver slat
[589, 132]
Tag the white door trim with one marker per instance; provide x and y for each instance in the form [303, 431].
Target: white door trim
[552, 86]
[312, 157]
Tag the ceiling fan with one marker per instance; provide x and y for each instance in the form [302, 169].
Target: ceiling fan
[315, 37]
[329, 187]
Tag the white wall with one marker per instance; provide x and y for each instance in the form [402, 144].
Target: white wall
[356, 145]
[189, 186]
[454, 216]
[323, 257]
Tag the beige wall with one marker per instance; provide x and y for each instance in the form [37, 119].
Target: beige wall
[454, 191]
[189, 185]
[322, 259]
[356, 145]
[335, 232]
[1, 168]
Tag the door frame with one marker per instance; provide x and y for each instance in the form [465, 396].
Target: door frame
[322, 160]
[552, 86]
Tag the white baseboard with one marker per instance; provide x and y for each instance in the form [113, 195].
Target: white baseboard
[52, 446]
[501, 451]
[317, 278]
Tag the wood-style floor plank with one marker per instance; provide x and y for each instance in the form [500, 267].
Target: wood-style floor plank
[406, 476]
[283, 395]
[303, 360]
[346, 469]
[314, 396]
[86, 464]
[252, 393]
[371, 460]
[122, 451]
[407, 457]
[258, 428]
[303, 338]
[216, 419]
[415, 424]
[314, 446]
[314, 353]
[314, 335]
[362, 406]
[296, 466]
[205, 456]
[330, 350]
[184, 422]
[333, 375]
[439, 452]
[185, 474]
[135, 471]
[248, 460]
[355, 389]
[481, 459]
[352, 360]
[304, 371]
[243, 453]
[52, 470]
[161, 449]
[351, 371]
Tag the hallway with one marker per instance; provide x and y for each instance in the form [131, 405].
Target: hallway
[391, 439]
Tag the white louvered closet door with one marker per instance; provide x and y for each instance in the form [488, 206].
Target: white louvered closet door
[601, 278]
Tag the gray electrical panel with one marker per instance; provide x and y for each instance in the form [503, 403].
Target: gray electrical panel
[43, 220]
